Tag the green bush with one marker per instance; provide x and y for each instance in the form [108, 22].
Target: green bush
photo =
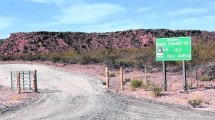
[56, 59]
[195, 103]
[156, 90]
[136, 83]
[1, 42]
[205, 78]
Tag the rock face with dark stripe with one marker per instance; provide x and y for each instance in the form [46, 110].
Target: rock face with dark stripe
[40, 42]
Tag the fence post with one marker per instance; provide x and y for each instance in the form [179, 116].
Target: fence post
[29, 79]
[107, 77]
[121, 78]
[145, 75]
[35, 81]
[197, 82]
[18, 83]
[11, 78]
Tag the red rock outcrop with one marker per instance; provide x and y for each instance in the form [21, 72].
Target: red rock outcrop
[40, 42]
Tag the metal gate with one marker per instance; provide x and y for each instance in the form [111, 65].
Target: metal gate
[24, 81]
[13, 77]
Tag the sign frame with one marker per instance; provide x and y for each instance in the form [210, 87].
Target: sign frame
[173, 49]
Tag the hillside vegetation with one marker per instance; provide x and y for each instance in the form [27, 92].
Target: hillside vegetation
[202, 52]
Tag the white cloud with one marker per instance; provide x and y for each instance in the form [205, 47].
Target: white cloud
[3, 36]
[80, 12]
[205, 22]
[143, 9]
[87, 13]
[110, 27]
[187, 11]
[48, 1]
[104, 27]
[6, 22]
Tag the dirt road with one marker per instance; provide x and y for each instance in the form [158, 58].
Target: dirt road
[77, 96]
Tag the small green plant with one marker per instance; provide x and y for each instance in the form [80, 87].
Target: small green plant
[205, 78]
[55, 59]
[195, 102]
[156, 90]
[136, 83]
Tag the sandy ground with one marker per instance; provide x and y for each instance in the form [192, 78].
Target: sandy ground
[72, 92]
[174, 95]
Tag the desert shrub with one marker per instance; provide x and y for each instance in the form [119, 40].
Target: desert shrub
[1, 42]
[6, 58]
[195, 102]
[202, 52]
[124, 63]
[205, 78]
[84, 60]
[56, 59]
[156, 90]
[136, 83]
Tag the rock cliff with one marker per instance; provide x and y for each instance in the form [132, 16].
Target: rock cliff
[40, 42]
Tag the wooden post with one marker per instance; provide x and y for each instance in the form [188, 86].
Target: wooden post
[18, 83]
[107, 77]
[145, 75]
[197, 82]
[35, 81]
[29, 75]
[121, 78]
[11, 78]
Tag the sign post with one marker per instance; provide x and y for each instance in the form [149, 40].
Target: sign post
[164, 76]
[184, 75]
[173, 49]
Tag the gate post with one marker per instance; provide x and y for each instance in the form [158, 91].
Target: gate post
[107, 77]
[35, 81]
[121, 78]
[18, 83]
[11, 78]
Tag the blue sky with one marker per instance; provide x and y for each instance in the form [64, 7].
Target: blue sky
[104, 15]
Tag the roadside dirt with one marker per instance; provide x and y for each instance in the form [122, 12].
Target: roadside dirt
[72, 92]
[174, 95]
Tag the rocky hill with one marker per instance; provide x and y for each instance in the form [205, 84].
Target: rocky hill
[40, 42]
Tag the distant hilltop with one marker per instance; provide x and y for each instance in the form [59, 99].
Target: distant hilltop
[40, 42]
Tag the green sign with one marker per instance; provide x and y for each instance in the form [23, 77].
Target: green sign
[177, 48]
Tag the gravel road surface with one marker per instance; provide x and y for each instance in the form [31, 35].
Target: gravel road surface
[74, 96]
